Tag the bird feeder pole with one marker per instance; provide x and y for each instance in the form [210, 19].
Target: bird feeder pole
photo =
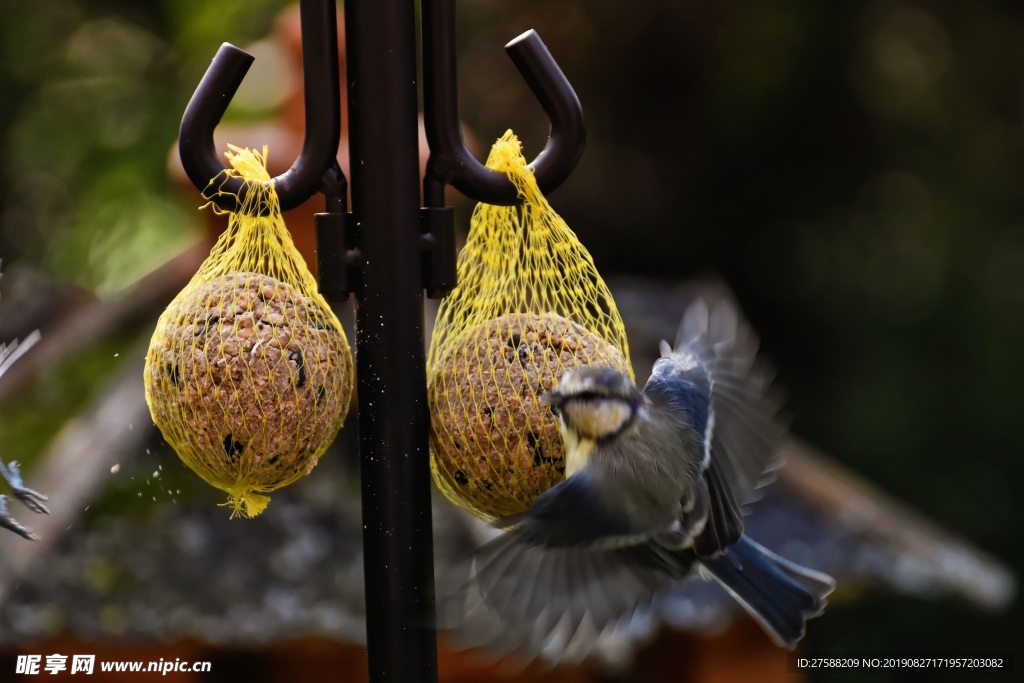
[393, 420]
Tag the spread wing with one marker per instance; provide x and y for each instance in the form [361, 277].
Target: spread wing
[567, 573]
[714, 382]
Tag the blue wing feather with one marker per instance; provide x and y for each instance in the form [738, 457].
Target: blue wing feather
[569, 513]
[686, 392]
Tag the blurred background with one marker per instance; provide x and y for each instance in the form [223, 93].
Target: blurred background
[852, 170]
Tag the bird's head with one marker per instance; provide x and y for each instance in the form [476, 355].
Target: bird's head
[595, 403]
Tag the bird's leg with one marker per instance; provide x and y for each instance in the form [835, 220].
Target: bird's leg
[30, 498]
[8, 522]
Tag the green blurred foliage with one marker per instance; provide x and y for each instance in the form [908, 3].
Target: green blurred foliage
[92, 97]
[853, 169]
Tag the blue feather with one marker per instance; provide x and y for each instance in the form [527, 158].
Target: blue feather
[685, 392]
[570, 513]
[778, 593]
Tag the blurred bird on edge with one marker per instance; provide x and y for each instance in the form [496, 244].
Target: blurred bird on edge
[656, 482]
[11, 474]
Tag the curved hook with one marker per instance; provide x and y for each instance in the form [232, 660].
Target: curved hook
[450, 162]
[318, 20]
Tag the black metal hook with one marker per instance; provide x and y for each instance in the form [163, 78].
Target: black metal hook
[450, 162]
[199, 157]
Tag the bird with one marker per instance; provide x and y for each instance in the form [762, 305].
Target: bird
[11, 473]
[32, 499]
[657, 484]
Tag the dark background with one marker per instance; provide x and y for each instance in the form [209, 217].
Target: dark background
[852, 169]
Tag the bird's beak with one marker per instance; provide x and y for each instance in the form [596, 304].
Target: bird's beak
[551, 397]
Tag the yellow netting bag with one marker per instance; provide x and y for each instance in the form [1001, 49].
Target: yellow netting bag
[529, 306]
[249, 373]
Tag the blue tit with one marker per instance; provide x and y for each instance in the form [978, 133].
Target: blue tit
[657, 480]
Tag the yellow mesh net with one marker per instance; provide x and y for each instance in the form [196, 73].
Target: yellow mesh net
[249, 373]
[529, 306]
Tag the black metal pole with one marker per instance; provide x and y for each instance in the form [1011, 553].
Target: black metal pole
[393, 419]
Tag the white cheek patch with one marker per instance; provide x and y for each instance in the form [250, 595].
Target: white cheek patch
[598, 419]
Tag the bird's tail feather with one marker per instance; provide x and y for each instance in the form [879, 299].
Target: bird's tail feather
[779, 594]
